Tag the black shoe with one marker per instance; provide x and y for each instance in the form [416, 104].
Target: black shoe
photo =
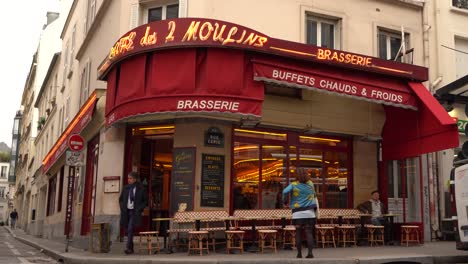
[128, 251]
[299, 255]
[310, 255]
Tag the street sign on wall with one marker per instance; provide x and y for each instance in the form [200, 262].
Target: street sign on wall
[76, 142]
[74, 158]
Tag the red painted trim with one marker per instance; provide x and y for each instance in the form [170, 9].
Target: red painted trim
[350, 174]
[79, 122]
[421, 188]
[109, 178]
[231, 190]
[403, 187]
[88, 188]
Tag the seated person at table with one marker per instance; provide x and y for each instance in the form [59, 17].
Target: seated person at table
[375, 207]
[240, 200]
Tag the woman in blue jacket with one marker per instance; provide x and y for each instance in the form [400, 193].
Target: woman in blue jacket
[304, 205]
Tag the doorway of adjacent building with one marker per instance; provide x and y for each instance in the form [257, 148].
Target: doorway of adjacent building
[89, 199]
[150, 153]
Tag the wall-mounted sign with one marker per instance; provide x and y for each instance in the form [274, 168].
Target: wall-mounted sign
[461, 124]
[214, 137]
[212, 181]
[74, 158]
[182, 180]
[111, 184]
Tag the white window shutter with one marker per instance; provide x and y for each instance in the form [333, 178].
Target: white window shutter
[134, 13]
[183, 12]
[88, 72]
[85, 21]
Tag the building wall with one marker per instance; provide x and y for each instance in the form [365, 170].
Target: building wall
[446, 27]
[286, 19]
[276, 18]
[4, 199]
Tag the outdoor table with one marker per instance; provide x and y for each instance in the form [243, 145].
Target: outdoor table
[227, 221]
[390, 226]
[162, 219]
[362, 218]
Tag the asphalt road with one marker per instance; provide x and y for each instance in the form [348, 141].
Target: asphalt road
[13, 251]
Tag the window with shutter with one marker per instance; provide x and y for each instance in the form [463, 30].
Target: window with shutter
[153, 11]
[72, 53]
[323, 31]
[390, 44]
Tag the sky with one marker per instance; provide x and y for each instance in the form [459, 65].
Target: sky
[20, 29]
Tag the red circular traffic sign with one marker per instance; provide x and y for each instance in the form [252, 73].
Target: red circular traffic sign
[76, 142]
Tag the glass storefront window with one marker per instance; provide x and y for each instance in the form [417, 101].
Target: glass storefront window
[153, 130]
[311, 159]
[246, 175]
[265, 162]
[274, 175]
[324, 141]
[260, 134]
[336, 179]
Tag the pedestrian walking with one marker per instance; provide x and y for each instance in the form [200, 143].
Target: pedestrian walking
[133, 201]
[13, 218]
[304, 205]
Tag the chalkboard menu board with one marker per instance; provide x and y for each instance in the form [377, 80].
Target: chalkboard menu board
[182, 180]
[212, 180]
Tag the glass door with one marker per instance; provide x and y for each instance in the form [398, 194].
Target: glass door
[404, 190]
[246, 174]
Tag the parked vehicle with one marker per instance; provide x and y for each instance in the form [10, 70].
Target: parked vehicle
[459, 197]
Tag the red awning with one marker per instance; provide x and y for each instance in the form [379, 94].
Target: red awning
[323, 78]
[183, 81]
[79, 122]
[411, 133]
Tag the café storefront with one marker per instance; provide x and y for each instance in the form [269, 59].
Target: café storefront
[218, 116]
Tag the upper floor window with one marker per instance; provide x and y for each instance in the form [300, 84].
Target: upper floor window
[162, 12]
[85, 80]
[460, 3]
[390, 45]
[323, 32]
[3, 172]
[90, 14]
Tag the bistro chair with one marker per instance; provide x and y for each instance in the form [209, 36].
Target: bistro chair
[267, 239]
[325, 235]
[376, 234]
[409, 233]
[346, 234]
[195, 242]
[289, 236]
[234, 240]
[149, 236]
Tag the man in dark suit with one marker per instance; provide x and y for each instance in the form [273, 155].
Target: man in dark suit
[133, 201]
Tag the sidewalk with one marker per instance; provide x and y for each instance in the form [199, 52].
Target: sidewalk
[429, 253]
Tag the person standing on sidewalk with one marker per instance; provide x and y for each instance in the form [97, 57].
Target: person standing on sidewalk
[13, 218]
[133, 201]
[304, 205]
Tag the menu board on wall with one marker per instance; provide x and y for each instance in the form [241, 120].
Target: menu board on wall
[212, 180]
[182, 180]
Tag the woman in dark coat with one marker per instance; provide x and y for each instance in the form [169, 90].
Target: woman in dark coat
[133, 201]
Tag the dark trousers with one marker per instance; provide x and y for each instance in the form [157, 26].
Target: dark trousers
[130, 225]
[13, 222]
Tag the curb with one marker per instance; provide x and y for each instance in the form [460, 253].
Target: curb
[72, 258]
[55, 255]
